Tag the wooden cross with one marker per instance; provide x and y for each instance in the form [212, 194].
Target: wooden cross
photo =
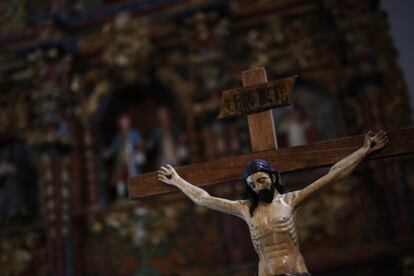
[264, 146]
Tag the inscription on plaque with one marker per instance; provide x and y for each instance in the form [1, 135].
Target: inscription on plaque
[252, 99]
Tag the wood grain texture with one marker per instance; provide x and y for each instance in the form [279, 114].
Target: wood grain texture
[314, 155]
[261, 127]
[253, 99]
[262, 131]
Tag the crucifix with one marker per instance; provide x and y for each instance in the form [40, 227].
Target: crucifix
[270, 212]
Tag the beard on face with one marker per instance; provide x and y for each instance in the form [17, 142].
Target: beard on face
[266, 195]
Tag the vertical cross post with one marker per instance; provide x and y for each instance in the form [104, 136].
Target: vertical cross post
[261, 126]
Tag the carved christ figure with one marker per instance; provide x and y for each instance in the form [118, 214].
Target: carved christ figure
[270, 213]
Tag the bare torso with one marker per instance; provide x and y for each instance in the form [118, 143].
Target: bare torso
[273, 232]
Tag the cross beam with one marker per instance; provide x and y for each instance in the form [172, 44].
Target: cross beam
[309, 156]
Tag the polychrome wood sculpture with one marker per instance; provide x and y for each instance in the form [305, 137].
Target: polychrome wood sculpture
[270, 213]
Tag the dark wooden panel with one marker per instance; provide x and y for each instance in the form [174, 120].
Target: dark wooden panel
[314, 155]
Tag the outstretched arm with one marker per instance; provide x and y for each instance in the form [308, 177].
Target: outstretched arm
[373, 142]
[200, 197]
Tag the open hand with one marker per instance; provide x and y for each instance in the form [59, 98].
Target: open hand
[168, 175]
[375, 140]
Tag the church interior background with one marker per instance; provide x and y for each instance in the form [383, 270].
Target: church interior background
[95, 91]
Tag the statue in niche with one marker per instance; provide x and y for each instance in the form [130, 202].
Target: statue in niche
[127, 149]
[295, 125]
[167, 142]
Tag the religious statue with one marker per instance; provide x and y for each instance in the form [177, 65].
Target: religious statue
[127, 149]
[167, 141]
[296, 127]
[269, 212]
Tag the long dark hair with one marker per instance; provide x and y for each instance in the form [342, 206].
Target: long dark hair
[259, 165]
